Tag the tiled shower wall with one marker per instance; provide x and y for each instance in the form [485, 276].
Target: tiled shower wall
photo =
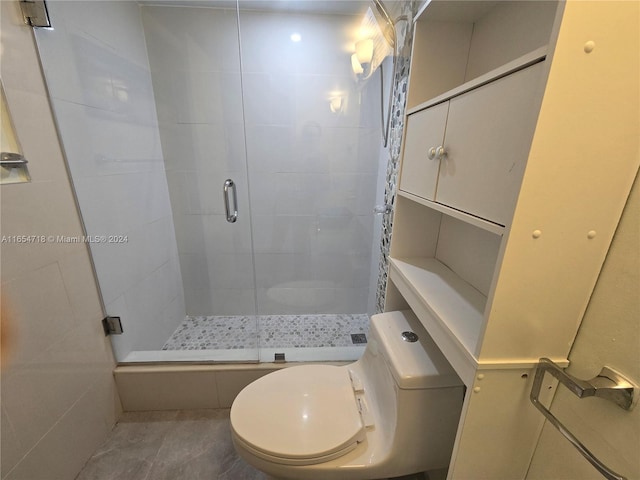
[58, 394]
[97, 71]
[403, 13]
[254, 107]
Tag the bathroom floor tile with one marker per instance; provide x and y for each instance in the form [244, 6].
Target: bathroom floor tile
[307, 331]
[171, 445]
[269, 331]
[214, 333]
[185, 444]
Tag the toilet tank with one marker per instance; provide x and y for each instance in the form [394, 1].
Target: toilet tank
[416, 392]
[413, 358]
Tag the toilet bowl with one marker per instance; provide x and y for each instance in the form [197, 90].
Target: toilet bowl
[394, 412]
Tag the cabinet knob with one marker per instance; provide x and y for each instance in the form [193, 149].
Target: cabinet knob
[436, 153]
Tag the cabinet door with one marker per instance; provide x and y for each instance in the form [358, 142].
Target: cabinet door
[489, 132]
[425, 130]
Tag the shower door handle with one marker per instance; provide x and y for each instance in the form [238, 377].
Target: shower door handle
[230, 185]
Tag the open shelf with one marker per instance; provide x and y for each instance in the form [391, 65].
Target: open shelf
[459, 45]
[520, 63]
[451, 309]
[452, 212]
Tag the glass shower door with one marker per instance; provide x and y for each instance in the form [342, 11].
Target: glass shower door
[313, 149]
[195, 64]
[148, 103]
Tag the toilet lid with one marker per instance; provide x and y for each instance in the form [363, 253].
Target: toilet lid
[299, 414]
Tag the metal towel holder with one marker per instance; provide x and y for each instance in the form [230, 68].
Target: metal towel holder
[609, 384]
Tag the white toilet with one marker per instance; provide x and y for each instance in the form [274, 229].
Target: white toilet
[393, 412]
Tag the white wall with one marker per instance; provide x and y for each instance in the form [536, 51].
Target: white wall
[609, 335]
[310, 174]
[96, 66]
[58, 395]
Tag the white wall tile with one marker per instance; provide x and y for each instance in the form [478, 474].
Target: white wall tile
[268, 98]
[273, 269]
[72, 440]
[11, 448]
[80, 286]
[208, 97]
[192, 38]
[209, 291]
[146, 302]
[196, 274]
[267, 45]
[274, 301]
[342, 300]
[46, 162]
[29, 316]
[283, 234]
[40, 209]
[343, 234]
[270, 148]
[349, 194]
[231, 270]
[32, 396]
[104, 144]
[232, 301]
[168, 390]
[311, 297]
[288, 193]
[178, 146]
[72, 69]
[342, 269]
[210, 234]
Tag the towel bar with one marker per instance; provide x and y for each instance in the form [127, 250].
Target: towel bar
[609, 384]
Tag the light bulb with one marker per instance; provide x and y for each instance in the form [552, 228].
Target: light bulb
[364, 51]
[355, 65]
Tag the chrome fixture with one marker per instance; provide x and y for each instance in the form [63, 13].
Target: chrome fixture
[382, 209]
[608, 384]
[230, 185]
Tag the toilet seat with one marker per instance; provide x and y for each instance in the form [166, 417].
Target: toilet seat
[299, 415]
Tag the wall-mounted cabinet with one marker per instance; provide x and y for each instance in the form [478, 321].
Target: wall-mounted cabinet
[469, 152]
[505, 208]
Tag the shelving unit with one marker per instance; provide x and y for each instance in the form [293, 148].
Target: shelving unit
[451, 309]
[502, 190]
[452, 212]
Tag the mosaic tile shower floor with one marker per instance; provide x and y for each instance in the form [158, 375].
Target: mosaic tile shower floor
[269, 331]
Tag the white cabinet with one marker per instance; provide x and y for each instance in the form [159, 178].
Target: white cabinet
[472, 159]
[424, 131]
[497, 244]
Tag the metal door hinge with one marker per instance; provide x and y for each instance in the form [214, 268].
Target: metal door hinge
[112, 325]
[35, 13]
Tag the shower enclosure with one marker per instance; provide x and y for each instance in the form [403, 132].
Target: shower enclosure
[227, 158]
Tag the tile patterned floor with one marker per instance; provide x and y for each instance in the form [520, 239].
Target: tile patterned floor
[268, 331]
[172, 445]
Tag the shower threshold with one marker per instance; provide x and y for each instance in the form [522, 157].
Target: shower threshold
[253, 339]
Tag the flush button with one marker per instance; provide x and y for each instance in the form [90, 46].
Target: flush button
[409, 337]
